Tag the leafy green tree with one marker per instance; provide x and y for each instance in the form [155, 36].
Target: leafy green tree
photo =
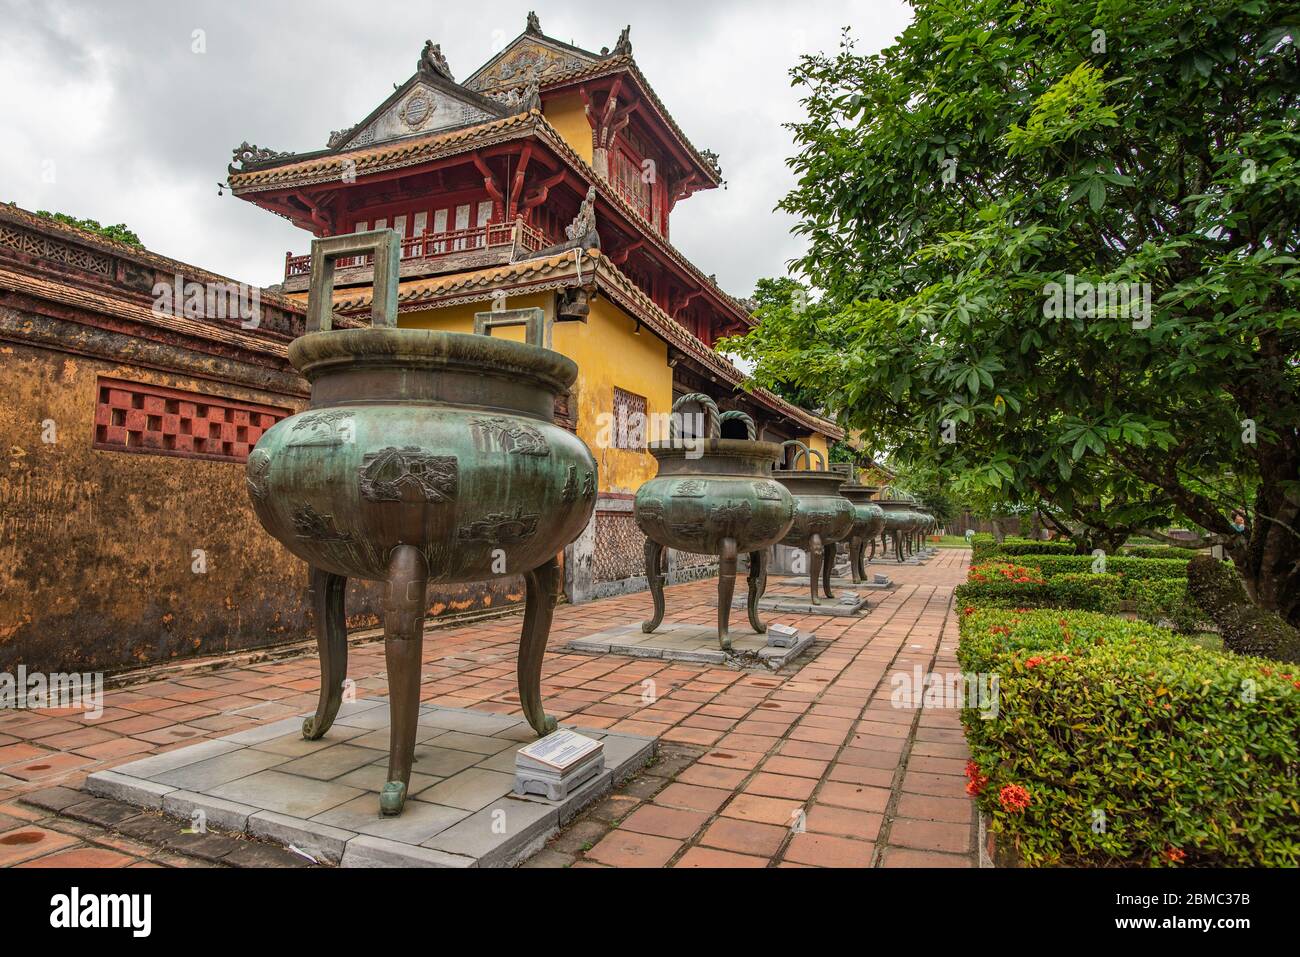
[1054, 244]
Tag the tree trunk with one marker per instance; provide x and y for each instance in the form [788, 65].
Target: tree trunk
[1269, 561]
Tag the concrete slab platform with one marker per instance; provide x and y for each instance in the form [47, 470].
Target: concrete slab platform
[691, 642]
[323, 799]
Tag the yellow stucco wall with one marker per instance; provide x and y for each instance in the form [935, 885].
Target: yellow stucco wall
[566, 113]
[817, 443]
[608, 354]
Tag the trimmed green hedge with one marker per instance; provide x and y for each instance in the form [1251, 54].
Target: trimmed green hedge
[982, 547]
[1118, 743]
[1131, 568]
[1085, 591]
[1018, 548]
[1165, 599]
[1158, 551]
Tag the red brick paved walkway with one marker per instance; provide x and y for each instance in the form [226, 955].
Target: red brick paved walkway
[810, 767]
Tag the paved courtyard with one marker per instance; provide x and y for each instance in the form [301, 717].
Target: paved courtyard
[807, 766]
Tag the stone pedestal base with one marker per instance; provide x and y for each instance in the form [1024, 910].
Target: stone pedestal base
[686, 642]
[322, 797]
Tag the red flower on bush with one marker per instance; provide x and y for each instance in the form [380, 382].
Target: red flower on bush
[1013, 798]
[999, 630]
[968, 610]
[1175, 855]
[1034, 662]
[977, 781]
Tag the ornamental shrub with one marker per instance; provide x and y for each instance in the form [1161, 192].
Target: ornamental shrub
[1052, 565]
[1083, 591]
[982, 546]
[1158, 551]
[1117, 743]
[1014, 548]
[1159, 600]
[1246, 628]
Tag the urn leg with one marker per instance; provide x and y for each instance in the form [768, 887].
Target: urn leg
[814, 567]
[726, 588]
[828, 568]
[898, 546]
[757, 575]
[855, 560]
[543, 587]
[654, 553]
[403, 641]
[327, 592]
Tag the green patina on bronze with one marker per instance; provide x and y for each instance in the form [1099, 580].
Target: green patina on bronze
[424, 457]
[713, 496]
[868, 524]
[822, 516]
[904, 524]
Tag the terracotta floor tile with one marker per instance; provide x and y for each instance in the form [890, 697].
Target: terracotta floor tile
[744, 837]
[820, 850]
[621, 848]
[780, 786]
[691, 797]
[764, 810]
[24, 843]
[708, 857]
[664, 821]
[932, 836]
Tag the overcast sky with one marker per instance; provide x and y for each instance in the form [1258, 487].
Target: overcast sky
[108, 113]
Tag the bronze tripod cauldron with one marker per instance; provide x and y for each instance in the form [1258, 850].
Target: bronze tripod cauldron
[822, 516]
[868, 523]
[713, 496]
[424, 457]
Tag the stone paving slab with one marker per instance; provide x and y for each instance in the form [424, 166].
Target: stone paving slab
[797, 583]
[800, 605]
[322, 797]
[693, 643]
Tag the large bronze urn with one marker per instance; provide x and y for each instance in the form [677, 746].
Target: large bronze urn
[822, 516]
[868, 523]
[899, 520]
[712, 496]
[424, 457]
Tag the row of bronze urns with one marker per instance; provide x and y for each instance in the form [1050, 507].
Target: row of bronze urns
[726, 497]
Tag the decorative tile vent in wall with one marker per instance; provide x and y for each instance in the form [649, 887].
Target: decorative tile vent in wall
[43, 247]
[139, 417]
[629, 420]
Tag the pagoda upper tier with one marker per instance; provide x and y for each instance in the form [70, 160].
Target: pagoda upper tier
[480, 172]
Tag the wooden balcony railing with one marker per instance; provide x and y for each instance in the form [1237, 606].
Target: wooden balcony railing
[638, 202]
[433, 245]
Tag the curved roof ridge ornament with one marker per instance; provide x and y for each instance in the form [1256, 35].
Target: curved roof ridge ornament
[624, 45]
[432, 62]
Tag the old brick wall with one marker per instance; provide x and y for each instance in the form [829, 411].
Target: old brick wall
[98, 562]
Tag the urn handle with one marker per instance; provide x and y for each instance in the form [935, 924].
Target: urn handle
[735, 415]
[712, 426]
[386, 247]
[532, 319]
[803, 452]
